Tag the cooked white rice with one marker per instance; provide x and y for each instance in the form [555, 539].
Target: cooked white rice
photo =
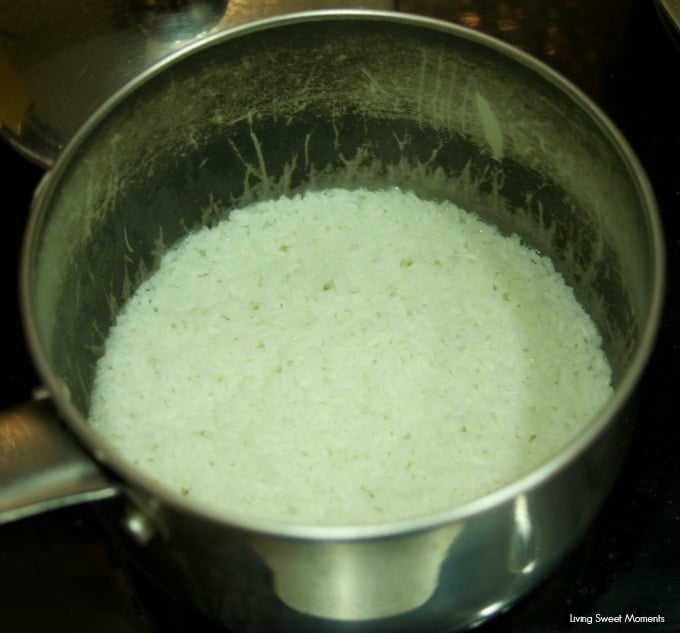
[347, 357]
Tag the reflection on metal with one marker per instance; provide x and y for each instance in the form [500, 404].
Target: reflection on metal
[672, 8]
[470, 19]
[670, 11]
[15, 100]
[492, 609]
[522, 518]
[41, 467]
[523, 552]
[242, 11]
[582, 40]
[176, 20]
[506, 25]
[529, 567]
[138, 526]
[61, 60]
[369, 580]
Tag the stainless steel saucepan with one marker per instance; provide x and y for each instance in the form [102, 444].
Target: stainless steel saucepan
[342, 99]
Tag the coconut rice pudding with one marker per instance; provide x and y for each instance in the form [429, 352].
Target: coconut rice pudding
[347, 357]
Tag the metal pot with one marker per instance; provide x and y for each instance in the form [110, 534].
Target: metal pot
[316, 100]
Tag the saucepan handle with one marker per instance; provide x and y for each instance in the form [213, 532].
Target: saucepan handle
[42, 467]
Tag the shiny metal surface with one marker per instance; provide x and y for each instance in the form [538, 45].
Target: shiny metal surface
[670, 11]
[403, 116]
[41, 468]
[61, 60]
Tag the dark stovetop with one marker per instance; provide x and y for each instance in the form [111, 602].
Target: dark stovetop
[59, 572]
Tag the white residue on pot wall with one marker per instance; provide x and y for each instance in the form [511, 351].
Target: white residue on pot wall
[490, 126]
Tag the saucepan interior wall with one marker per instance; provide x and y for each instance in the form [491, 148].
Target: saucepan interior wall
[338, 103]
